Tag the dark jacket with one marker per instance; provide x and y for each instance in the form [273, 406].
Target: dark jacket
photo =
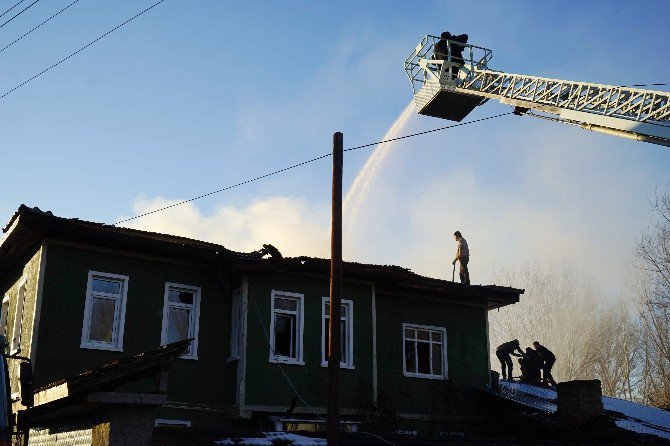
[508, 347]
[441, 50]
[456, 49]
[546, 354]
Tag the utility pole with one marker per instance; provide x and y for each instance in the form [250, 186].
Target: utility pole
[335, 295]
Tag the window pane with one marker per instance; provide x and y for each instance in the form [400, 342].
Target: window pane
[178, 324]
[410, 355]
[344, 356]
[409, 333]
[102, 319]
[423, 335]
[181, 297]
[286, 304]
[326, 338]
[343, 343]
[436, 336]
[343, 311]
[437, 359]
[105, 286]
[423, 356]
[285, 335]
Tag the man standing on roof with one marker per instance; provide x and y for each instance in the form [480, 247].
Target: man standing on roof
[463, 256]
[548, 360]
[503, 353]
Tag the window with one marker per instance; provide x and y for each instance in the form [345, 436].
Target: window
[181, 313]
[425, 351]
[4, 313]
[105, 311]
[346, 333]
[286, 327]
[15, 345]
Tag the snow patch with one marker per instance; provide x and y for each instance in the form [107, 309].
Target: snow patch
[297, 440]
[629, 415]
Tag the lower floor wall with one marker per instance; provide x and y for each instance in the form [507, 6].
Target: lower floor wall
[71, 435]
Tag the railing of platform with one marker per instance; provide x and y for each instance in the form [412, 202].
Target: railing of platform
[475, 57]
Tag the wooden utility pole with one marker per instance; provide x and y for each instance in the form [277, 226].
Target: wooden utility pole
[335, 295]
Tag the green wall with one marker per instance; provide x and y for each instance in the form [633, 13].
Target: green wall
[59, 354]
[467, 358]
[265, 384]
[466, 351]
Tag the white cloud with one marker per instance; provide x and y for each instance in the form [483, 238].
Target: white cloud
[291, 224]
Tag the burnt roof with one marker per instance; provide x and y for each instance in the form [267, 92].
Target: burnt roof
[390, 279]
[29, 226]
[77, 229]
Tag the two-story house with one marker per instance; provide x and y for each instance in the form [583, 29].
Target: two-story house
[77, 295]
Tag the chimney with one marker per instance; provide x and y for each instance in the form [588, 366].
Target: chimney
[579, 400]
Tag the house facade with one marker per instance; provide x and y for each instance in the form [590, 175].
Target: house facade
[77, 295]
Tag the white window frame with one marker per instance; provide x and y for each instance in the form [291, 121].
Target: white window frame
[300, 321]
[349, 323]
[17, 331]
[4, 315]
[116, 345]
[194, 316]
[445, 370]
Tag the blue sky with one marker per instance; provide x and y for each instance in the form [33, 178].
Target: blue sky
[197, 95]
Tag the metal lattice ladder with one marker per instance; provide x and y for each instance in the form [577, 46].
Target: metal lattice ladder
[634, 113]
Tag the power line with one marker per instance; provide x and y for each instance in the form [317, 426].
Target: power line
[81, 49]
[304, 163]
[1, 15]
[19, 13]
[75, 1]
[646, 85]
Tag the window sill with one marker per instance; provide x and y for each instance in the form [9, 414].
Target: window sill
[282, 360]
[342, 366]
[418, 375]
[190, 358]
[111, 348]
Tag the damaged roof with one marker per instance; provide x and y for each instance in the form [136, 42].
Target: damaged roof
[28, 227]
[389, 279]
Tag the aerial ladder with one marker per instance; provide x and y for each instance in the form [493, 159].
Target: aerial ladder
[450, 88]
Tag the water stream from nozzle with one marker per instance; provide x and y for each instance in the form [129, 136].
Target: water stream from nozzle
[372, 169]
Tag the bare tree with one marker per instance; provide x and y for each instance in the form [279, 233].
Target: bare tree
[591, 335]
[653, 297]
[613, 354]
[559, 309]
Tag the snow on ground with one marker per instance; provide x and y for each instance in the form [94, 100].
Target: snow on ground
[631, 416]
[298, 440]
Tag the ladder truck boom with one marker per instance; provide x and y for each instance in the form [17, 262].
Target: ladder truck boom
[451, 88]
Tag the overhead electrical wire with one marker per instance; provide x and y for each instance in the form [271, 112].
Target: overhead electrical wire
[10, 44]
[326, 155]
[17, 4]
[646, 85]
[19, 13]
[81, 49]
